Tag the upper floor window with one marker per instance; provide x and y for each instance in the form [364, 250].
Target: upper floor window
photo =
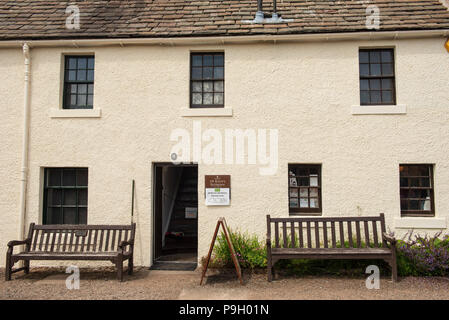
[304, 188]
[207, 80]
[416, 183]
[377, 80]
[65, 196]
[79, 82]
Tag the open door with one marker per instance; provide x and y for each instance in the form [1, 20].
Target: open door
[175, 218]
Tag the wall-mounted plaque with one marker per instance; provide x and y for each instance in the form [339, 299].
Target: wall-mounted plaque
[218, 190]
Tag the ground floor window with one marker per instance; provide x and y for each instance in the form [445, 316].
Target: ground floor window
[65, 196]
[417, 194]
[304, 188]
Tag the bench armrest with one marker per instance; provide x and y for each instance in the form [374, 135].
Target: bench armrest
[125, 243]
[389, 238]
[268, 241]
[17, 242]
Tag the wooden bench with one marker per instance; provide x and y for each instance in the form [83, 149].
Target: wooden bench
[321, 238]
[113, 243]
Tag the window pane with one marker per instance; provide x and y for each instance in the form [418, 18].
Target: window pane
[197, 60]
[304, 203]
[314, 181]
[54, 177]
[54, 197]
[218, 86]
[68, 178]
[208, 60]
[208, 98]
[374, 57]
[314, 203]
[69, 197]
[304, 192]
[303, 181]
[387, 84]
[314, 192]
[375, 97]
[197, 98]
[374, 84]
[218, 73]
[293, 202]
[72, 75]
[81, 75]
[196, 73]
[375, 69]
[90, 89]
[208, 86]
[91, 63]
[82, 213]
[82, 100]
[387, 97]
[73, 100]
[207, 73]
[82, 63]
[54, 216]
[364, 85]
[218, 60]
[363, 57]
[387, 69]
[72, 63]
[73, 88]
[82, 197]
[81, 177]
[218, 98]
[364, 69]
[69, 215]
[82, 88]
[90, 75]
[364, 97]
[90, 100]
[197, 86]
[387, 56]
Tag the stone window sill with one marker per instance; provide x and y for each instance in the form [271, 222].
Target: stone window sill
[75, 113]
[366, 110]
[206, 112]
[420, 223]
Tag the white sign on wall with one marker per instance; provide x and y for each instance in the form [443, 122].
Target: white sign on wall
[218, 190]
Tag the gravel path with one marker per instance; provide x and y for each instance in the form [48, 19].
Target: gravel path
[44, 283]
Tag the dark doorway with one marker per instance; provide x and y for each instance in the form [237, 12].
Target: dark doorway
[175, 233]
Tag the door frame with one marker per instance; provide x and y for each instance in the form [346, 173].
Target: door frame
[156, 197]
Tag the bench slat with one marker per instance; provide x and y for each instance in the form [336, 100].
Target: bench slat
[351, 244]
[301, 240]
[325, 234]
[376, 239]
[309, 236]
[357, 231]
[276, 234]
[367, 241]
[284, 234]
[334, 240]
[342, 234]
[317, 235]
[292, 234]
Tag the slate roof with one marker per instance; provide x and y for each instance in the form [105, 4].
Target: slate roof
[45, 19]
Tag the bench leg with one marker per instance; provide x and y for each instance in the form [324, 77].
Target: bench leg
[26, 265]
[269, 271]
[8, 268]
[130, 265]
[119, 265]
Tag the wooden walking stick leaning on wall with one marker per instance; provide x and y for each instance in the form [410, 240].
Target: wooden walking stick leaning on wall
[222, 222]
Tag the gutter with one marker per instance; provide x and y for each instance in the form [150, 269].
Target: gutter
[222, 40]
[26, 125]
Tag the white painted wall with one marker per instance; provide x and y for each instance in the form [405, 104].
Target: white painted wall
[305, 90]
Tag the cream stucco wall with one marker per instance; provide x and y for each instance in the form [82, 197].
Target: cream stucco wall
[305, 90]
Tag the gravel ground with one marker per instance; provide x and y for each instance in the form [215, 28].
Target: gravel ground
[49, 283]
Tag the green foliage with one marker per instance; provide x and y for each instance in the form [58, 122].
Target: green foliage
[250, 252]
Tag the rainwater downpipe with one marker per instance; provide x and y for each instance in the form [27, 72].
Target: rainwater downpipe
[26, 125]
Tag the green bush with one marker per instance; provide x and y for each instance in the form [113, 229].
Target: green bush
[250, 252]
